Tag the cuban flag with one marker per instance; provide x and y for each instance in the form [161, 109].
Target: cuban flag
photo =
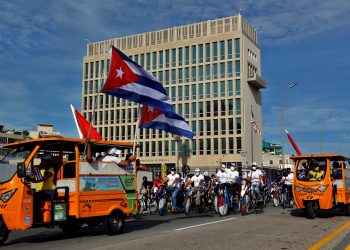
[167, 121]
[84, 126]
[126, 79]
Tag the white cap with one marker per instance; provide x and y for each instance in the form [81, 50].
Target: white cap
[111, 151]
[254, 164]
[223, 165]
[233, 164]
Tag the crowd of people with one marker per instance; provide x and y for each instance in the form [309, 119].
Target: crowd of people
[203, 185]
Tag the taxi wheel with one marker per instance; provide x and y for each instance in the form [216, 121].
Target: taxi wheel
[311, 208]
[4, 232]
[114, 223]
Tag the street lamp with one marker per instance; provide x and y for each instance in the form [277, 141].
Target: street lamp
[321, 130]
[292, 85]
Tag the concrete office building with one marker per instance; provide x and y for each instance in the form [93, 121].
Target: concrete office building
[211, 71]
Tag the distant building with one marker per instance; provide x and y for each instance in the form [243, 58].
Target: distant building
[211, 70]
[272, 156]
[10, 136]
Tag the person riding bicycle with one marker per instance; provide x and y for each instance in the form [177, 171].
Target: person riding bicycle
[288, 185]
[198, 185]
[255, 177]
[222, 177]
[173, 187]
[234, 180]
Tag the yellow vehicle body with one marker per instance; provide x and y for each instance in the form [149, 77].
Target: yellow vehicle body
[91, 192]
[321, 182]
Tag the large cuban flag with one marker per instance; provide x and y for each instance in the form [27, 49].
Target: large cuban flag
[126, 79]
[84, 126]
[167, 121]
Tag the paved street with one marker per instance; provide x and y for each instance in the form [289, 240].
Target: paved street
[275, 228]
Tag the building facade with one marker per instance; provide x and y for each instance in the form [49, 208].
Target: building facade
[211, 71]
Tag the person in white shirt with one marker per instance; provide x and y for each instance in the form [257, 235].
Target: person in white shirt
[198, 184]
[288, 182]
[112, 155]
[222, 176]
[235, 181]
[173, 187]
[255, 177]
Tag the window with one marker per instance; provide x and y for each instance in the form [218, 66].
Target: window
[223, 107]
[215, 89]
[207, 72]
[154, 59]
[161, 59]
[230, 107]
[223, 146]
[194, 91]
[223, 126]
[222, 70]
[194, 74]
[187, 92]
[238, 87]
[229, 69]
[215, 51]
[208, 142]
[215, 108]
[91, 70]
[208, 108]
[86, 71]
[231, 145]
[222, 50]
[201, 109]
[187, 74]
[187, 55]
[180, 95]
[201, 146]
[229, 49]
[207, 52]
[238, 125]
[194, 109]
[180, 57]
[238, 68]
[238, 106]
[230, 88]
[208, 127]
[222, 88]
[230, 126]
[200, 48]
[194, 54]
[201, 90]
[148, 59]
[173, 54]
[239, 145]
[237, 48]
[142, 60]
[167, 77]
[194, 147]
[167, 58]
[180, 75]
[173, 93]
[187, 110]
[207, 90]
[216, 146]
[216, 126]
[200, 127]
[200, 73]
[173, 76]
[215, 71]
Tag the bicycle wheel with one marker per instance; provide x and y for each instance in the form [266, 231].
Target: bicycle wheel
[162, 206]
[152, 206]
[216, 208]
[141, 206]
[188, 201]
[245, 204]
[276, 198]
[259, 205]
[222, 206]
[236, 205]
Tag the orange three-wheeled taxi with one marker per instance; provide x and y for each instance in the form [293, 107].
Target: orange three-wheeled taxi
[321, 182]
[87, 191]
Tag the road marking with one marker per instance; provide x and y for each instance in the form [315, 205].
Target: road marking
[213, 222]
[329, 237]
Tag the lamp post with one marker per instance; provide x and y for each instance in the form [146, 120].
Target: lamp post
[292, 85]
[321, 130]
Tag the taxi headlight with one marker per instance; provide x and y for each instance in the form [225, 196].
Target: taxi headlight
[298, 188]
[6, 196]
[322, 188]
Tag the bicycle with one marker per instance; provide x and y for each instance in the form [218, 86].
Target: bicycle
[234, 199]
[250, 202]
[221, 200]
[190, 202]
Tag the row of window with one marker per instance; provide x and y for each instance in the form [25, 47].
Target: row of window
[176, 93]
[175, 57]
[212, 108]
[208, 146]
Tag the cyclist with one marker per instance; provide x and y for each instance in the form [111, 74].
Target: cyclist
[288, 185]
[222, 177]
[198, 184]
[234, 180]
[255, 177]
[173, 187]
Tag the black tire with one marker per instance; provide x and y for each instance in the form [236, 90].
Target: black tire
[311, 209]
[187, 205]
[162, 206]
[4, 232]
[153, 206]
[114, 223]
[245, 204]
[236, 206]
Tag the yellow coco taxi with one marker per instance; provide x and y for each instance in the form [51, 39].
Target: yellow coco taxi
[321, 182]
[85, 191]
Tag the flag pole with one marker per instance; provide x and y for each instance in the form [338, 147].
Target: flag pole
[251, 132]
[137, 126]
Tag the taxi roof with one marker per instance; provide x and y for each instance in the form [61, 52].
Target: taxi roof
[67, 142]
[331, 156]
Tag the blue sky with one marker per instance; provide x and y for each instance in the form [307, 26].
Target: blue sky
[42, 44]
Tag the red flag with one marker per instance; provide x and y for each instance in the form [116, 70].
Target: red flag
[84, 126]
[293, 143]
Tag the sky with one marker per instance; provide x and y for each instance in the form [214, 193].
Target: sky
[43, 42]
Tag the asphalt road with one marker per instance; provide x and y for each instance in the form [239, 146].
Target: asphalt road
[275, 228]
